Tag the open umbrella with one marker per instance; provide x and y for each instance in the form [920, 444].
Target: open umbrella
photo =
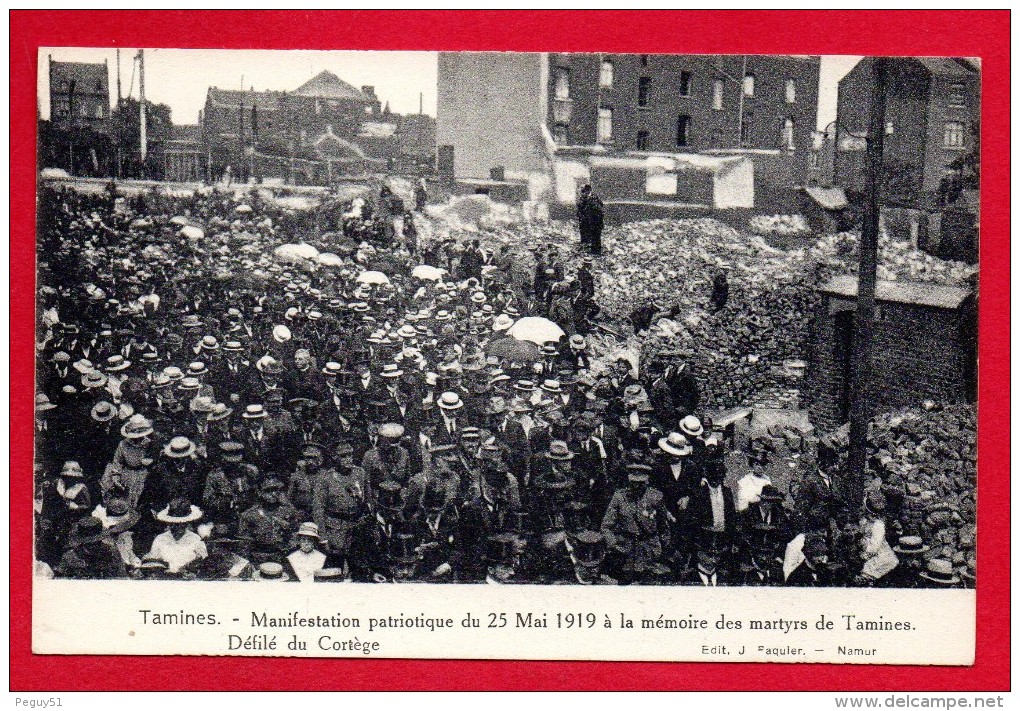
[373, 277]
[179, 220]
[192, 232]
[242, 208]
[536, 330]
[428, 272]
[513, 350]
[328, 259]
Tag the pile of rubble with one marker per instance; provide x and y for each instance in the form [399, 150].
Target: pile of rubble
[928, 456]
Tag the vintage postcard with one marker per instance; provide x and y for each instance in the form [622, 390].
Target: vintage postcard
[507, 355]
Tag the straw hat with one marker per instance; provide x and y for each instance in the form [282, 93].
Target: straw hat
[309, 530]
[253, 412]
[116, 363]
[270, 572]
[173, 372]
[676, 444]
[209, 343]
[136, 427]
[179, 448]
[189, 384]
[638, 472]
[552, 386]
[42, 403]
[220, 411]
[503, 322]
[120, 516]
[93, 380]
[910, 545]
[72, 470]
[559, 451]
[103, 411]
[231, 451]
[450, 401]
[179, 511]
[332, 369]
[202, 403]
[940, 571]
[391, 430]
[691, 426]
[281, 334]
[269, 365]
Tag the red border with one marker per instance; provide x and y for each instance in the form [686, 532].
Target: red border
[956, 33]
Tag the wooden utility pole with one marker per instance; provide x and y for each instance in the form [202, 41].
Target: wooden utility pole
[240, 137]
[143, 140]
[118, 137]
[71, 86]
[860, 372]
[740, 102]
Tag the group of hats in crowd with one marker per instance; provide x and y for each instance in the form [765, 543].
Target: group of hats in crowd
[141, 333]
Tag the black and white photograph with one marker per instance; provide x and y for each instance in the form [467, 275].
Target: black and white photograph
[549, 319]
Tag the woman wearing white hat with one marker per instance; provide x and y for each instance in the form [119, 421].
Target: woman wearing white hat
[131, 461]
[65, 501]
[307, 560]
[178, 546]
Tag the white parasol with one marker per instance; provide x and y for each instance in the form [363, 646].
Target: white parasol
[373, 278]
[192, 232]
[428, 272]
[242, 208]
[536, 330]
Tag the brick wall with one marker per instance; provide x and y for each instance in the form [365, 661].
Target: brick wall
[918, 353]
[709, 128]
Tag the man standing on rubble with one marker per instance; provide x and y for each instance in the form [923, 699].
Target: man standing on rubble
[590, 217]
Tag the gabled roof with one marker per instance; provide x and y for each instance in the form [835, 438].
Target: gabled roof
[327, 85]
[88, 78]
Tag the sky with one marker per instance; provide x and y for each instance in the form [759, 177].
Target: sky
[181, 77]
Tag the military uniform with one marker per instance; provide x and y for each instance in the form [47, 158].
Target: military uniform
[636, 530]
[268, 531]
[339, 503]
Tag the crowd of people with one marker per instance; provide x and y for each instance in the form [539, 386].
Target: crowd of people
[416, 412]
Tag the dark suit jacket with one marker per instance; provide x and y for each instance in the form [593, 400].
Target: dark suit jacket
[698, 516]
